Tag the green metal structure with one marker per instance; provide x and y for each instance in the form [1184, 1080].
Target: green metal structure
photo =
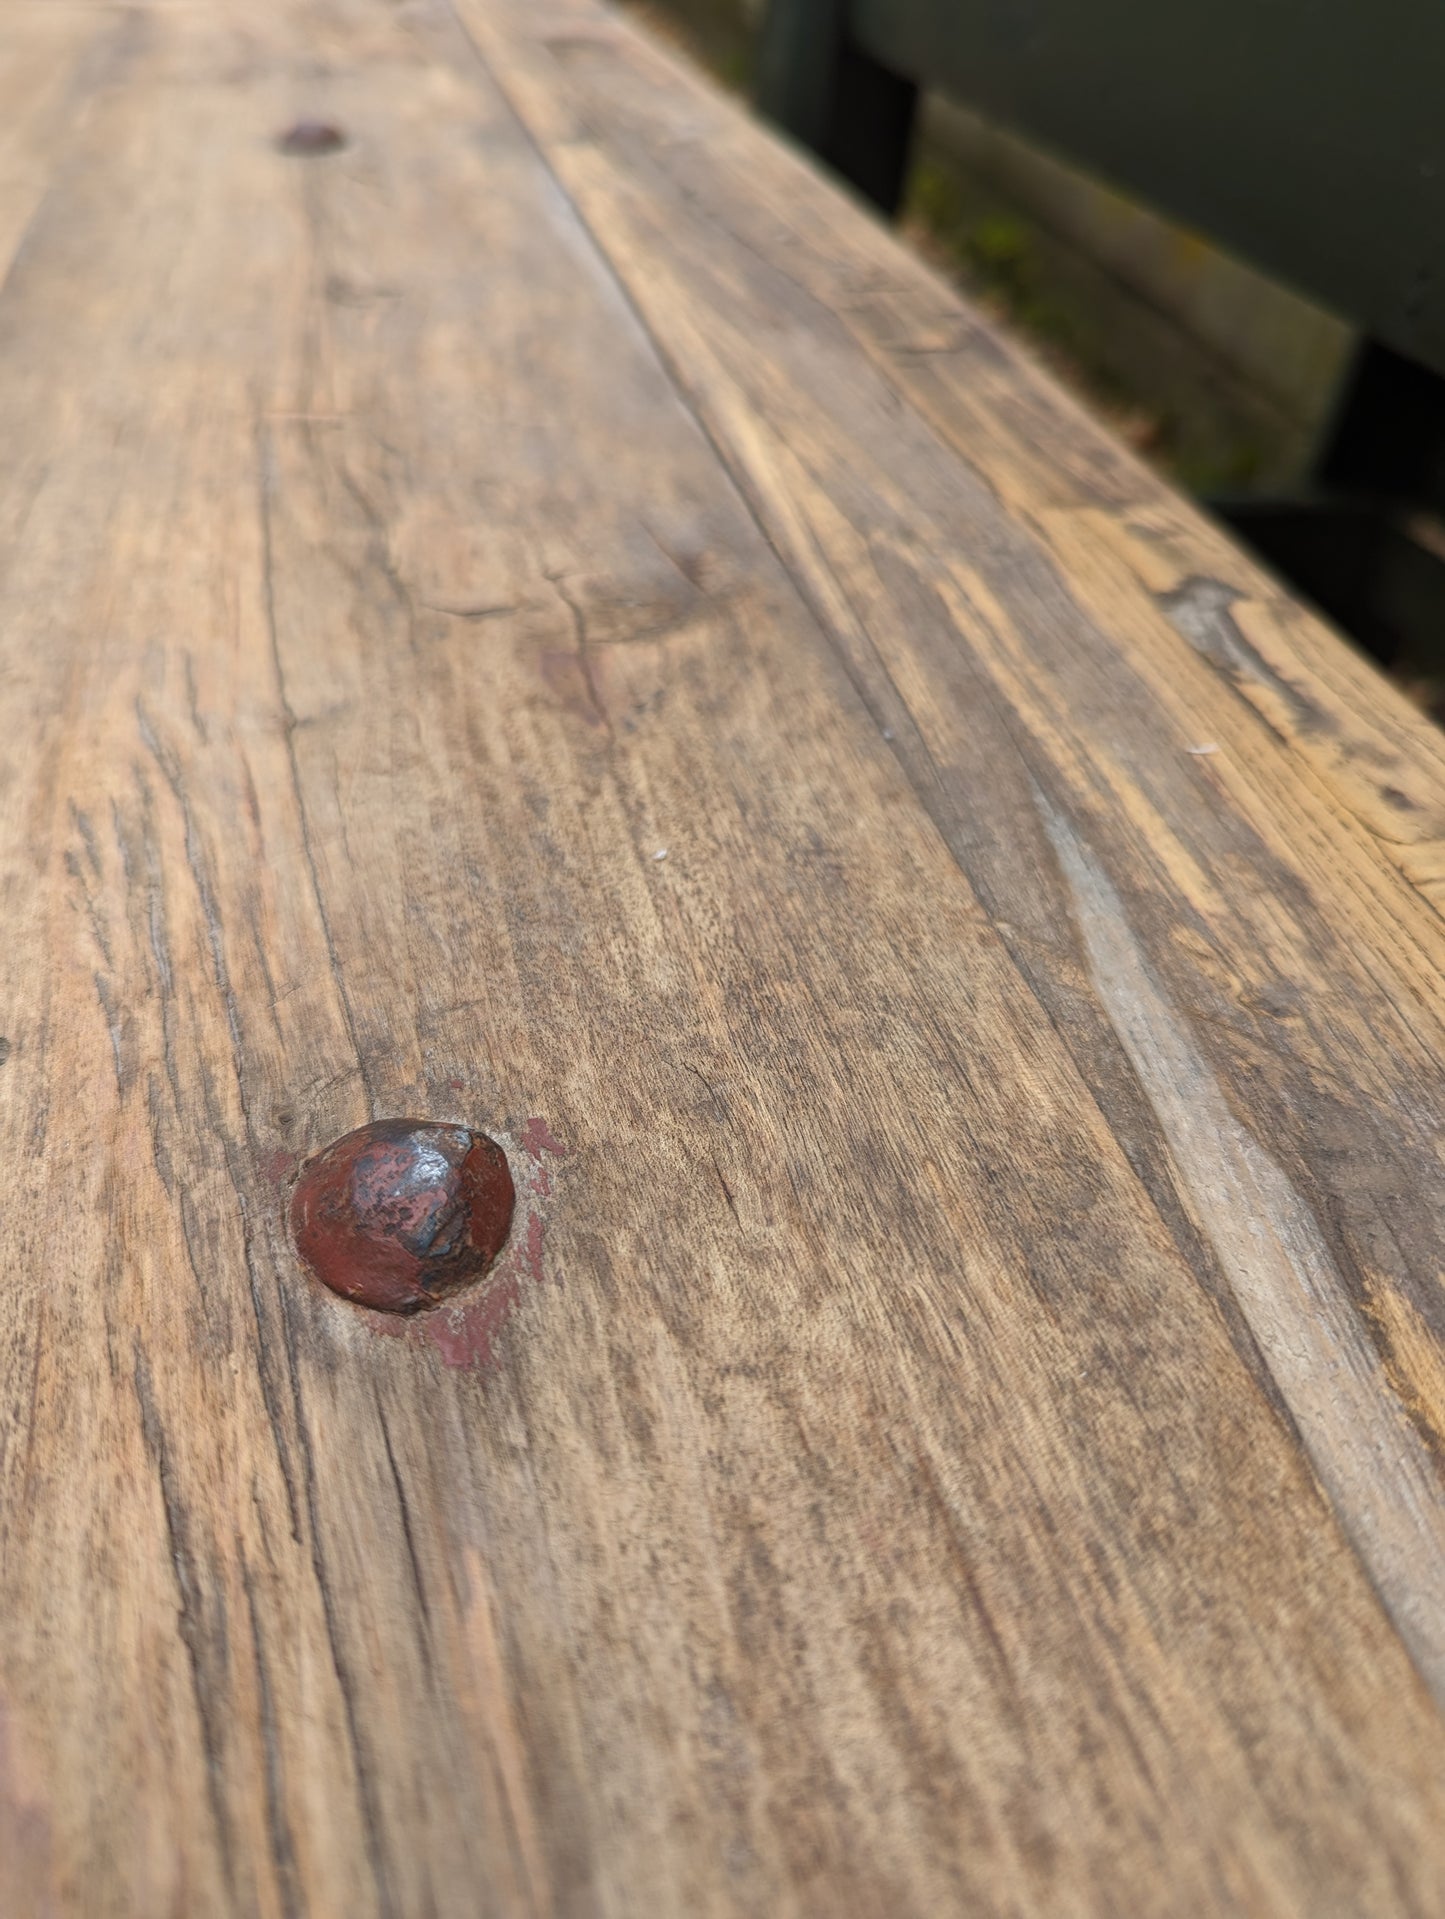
[1306, 135]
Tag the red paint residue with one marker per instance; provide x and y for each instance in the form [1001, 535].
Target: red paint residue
[463, 1335]
[280, 1166]
[529, 1250]
[538, 1141]
[463, 1330]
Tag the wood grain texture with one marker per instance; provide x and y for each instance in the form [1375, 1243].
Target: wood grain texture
[547, 619]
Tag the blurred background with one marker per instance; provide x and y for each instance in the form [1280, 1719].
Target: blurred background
[1216, 220]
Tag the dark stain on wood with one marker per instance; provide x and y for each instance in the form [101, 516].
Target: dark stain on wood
[311, 137]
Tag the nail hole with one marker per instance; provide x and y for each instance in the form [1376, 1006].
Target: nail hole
[310, 137]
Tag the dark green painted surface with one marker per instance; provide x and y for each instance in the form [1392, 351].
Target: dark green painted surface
[1308, 137]
[797, 66]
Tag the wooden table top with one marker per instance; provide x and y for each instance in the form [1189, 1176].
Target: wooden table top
[538, 613]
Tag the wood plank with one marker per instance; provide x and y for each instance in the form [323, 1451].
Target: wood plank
[1022, 435]
[51, 61]
[891, 1473]
[860, 503]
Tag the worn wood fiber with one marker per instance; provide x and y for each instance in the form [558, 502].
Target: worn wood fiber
[545, 618]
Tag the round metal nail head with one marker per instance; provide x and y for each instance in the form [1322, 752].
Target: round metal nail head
[400, 1213]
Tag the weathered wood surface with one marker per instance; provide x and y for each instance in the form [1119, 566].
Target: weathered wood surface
[959, 1427]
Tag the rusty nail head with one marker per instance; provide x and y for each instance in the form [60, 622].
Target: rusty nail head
[400, 1213]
